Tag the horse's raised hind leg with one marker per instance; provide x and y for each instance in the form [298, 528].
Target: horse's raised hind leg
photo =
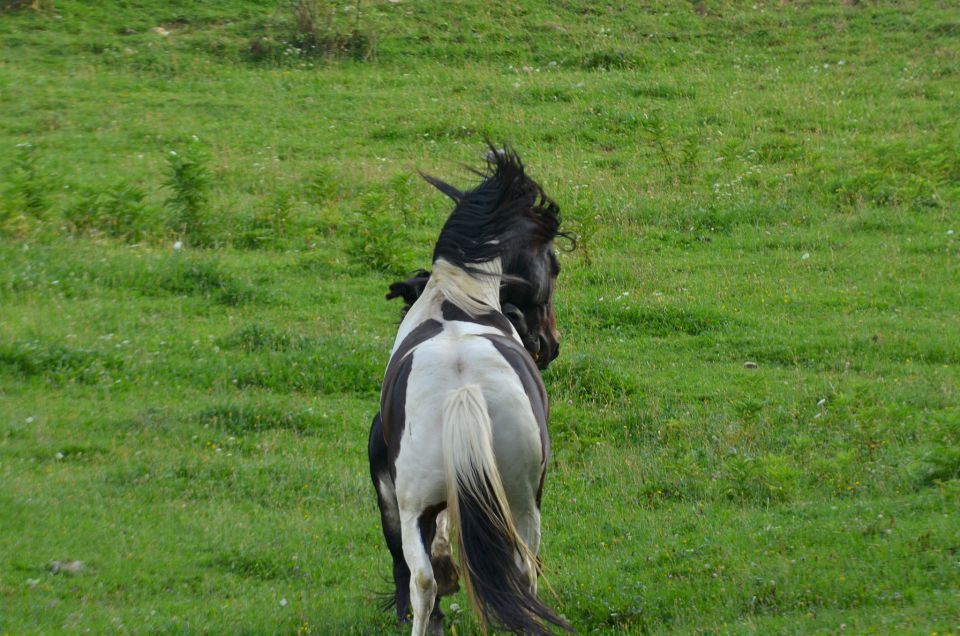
[423, 586]
[528, 525]
[441, 558]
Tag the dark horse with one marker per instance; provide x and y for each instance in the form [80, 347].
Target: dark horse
[463, 430]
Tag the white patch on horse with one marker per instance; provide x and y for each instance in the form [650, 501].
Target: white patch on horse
[389, 494]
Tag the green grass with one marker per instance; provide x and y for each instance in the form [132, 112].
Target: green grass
[766, 182]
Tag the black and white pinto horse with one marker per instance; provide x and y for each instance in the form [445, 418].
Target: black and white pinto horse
[461, 441]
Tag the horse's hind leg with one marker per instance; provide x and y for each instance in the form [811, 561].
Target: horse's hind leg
[390, 519]
[389, 516]
[441, 558]
[528, 525]
[423, 585]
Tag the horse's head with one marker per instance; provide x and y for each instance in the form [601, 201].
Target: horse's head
[409, 289]
[526, 299]
[507, 216]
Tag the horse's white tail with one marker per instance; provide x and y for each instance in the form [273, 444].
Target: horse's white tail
[490, 548]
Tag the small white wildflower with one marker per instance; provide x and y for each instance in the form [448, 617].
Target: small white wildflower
[949, 232]
[59, 455]
[805, 256]
[454, 607]
[178, 245]
[30, 420]
[173, 153]
[283, 602]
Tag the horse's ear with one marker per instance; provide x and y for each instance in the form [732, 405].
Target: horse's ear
[409, 289]
[444, 187]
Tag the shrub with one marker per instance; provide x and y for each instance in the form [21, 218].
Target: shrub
[379, 237]
[315, 33]
[311, 30]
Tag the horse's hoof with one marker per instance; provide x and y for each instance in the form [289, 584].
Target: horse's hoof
[446, 575]
[435, 626]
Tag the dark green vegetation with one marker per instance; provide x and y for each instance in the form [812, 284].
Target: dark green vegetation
[765, 182]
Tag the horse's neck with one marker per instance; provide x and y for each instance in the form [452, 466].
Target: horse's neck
[476, 294]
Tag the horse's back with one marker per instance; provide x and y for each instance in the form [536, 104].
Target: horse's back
[442, 365]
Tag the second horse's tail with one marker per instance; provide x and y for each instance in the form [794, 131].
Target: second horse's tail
[490, 548]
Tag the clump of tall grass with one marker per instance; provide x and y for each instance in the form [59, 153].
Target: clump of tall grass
[119, 212]
[379, 232]
[26, 197]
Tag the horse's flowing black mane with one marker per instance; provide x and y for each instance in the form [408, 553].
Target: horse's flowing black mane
[506, 212]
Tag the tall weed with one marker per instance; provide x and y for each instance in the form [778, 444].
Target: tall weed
[188, 203]
[269, 226]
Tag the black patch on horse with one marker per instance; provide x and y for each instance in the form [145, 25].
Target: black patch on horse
[393, 400]
[490, 319]
[380, 471]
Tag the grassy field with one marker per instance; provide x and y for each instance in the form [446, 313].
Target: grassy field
[201, 207]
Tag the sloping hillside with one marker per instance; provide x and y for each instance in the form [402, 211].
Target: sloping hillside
[755, 413]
